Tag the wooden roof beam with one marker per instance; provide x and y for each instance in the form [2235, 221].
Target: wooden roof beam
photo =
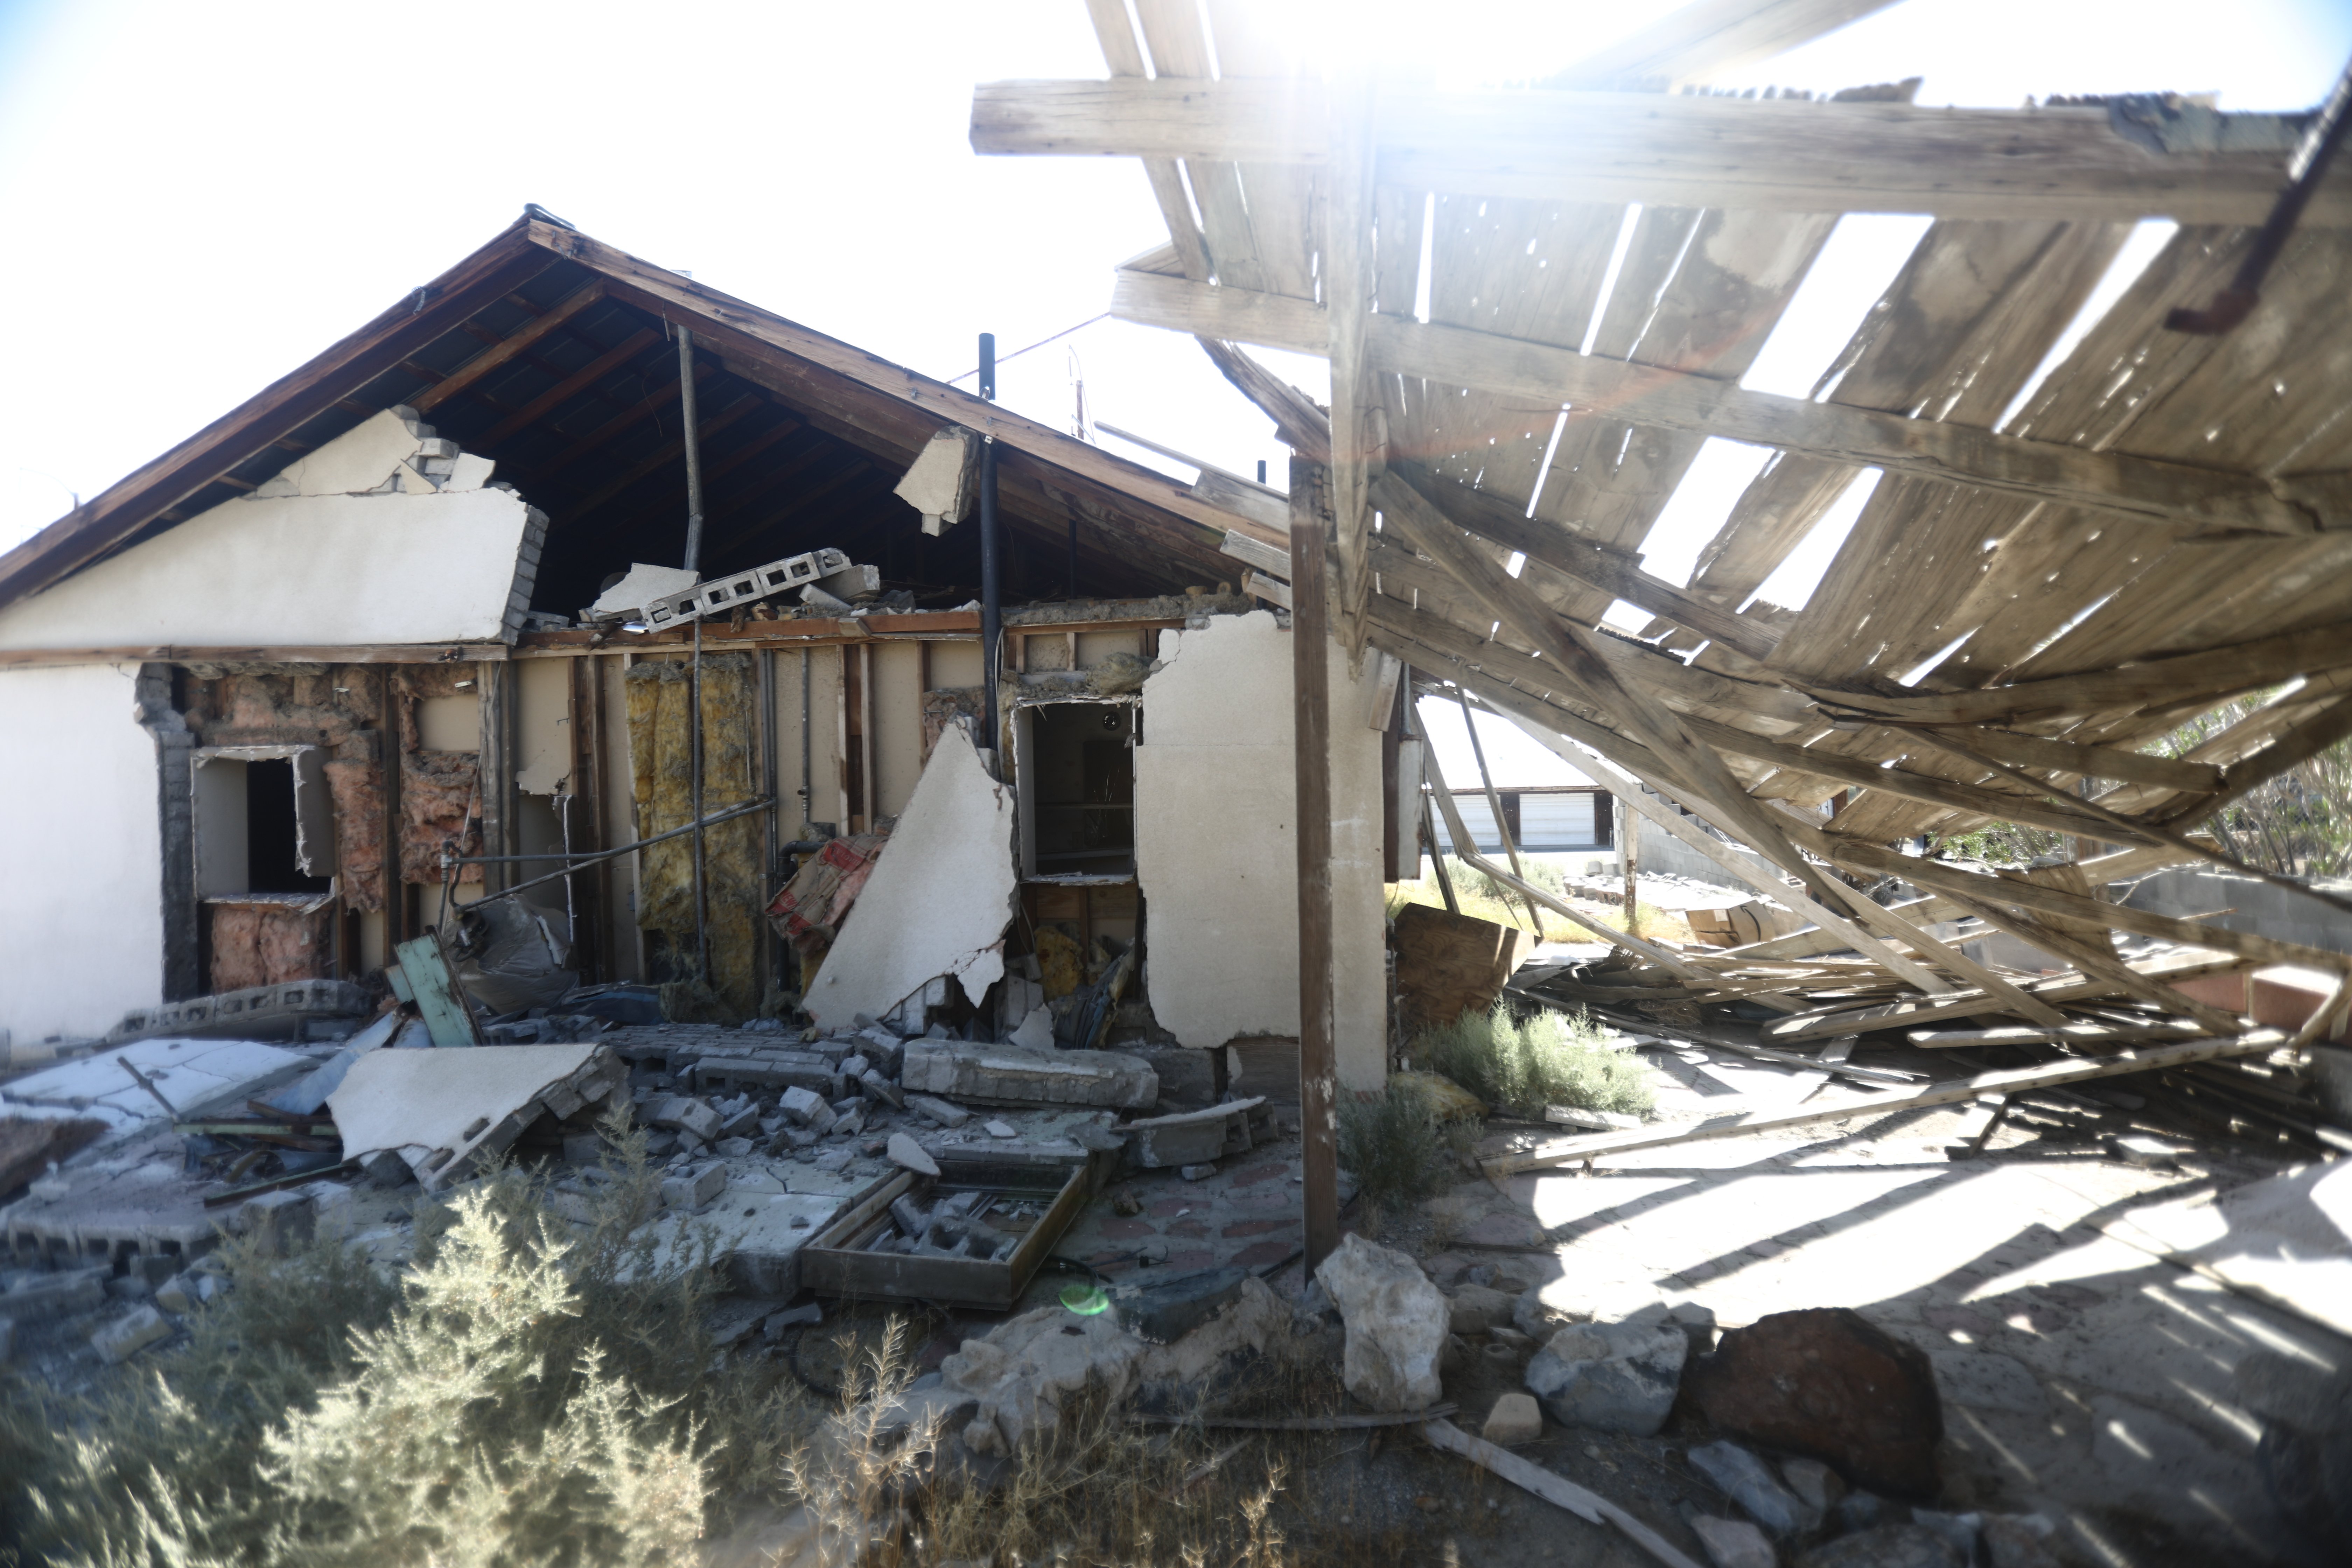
[2140, 490]
[570, 387]
[1779, 154]
[507, 350]
[1709, 36]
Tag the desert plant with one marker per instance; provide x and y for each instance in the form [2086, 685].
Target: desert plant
[1546, 1057]
[1394, 1148]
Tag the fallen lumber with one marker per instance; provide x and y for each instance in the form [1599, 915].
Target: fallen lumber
[1556, 1489]
[2068, 987]
[2072, 1034]
[2072, 1069]
[1762, 1053]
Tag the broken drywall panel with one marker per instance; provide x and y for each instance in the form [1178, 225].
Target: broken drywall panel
[81, 801]
[640, 585]
[376, 454]
[938, 899]
[335, 570]
[441, 1109]
[190, 1077]
[1216, 854]
[542, 725]
[939, 483]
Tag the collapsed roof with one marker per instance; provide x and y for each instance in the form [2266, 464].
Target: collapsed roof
[2059, 564]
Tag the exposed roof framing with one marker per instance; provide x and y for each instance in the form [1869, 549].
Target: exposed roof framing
[2164, 523]
[553, 353]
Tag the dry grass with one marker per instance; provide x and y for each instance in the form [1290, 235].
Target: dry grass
[1544, 1058]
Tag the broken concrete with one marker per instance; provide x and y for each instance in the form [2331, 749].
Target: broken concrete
[1010, 1075]
[1396, 1321]
[441, 1109]
[126, 1337]
[938, 900]
[1515, 1419]
[1749, 1482]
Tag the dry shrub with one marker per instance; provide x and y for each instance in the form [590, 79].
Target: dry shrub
[522, 1395]
[1396, 1149]
[1546, 1058]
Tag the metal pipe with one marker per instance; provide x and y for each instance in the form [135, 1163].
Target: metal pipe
[694, 756]
[693, 451]
[729, 815]
[770, 830]
[808, 800]
[1310, 679]
[992, 603]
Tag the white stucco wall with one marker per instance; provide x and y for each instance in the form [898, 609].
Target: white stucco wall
[81, 931]
[1216, 850]
[354, 543]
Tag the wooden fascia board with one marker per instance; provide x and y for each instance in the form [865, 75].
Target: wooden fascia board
[687, 303]
[272, 414]
[1667, 149]
[2140, 490]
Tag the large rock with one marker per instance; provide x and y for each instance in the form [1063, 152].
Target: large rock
[1480, 1309]
[1825, 1383]
[1610, 1377]
[1733, 1542]
[1396, 1320]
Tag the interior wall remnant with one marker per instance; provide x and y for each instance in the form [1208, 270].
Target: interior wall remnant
[542, 725]
[331, 713]
[661, 717]
[81, 934]
[938, 900]
[615, 806]
[356, 542]
[176, 744]
[898, 749]
[440, 785]
[1216, 852]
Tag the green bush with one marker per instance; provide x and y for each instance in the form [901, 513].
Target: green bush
[1522, 1065]
[1394, 1148]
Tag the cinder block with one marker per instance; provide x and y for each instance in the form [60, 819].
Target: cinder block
[126, 1337]
[695, 1188]
[723, 594]
[277, 1221]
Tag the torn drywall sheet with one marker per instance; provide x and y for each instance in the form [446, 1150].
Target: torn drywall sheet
[639, 586]
[938, 900]
[440, 1109]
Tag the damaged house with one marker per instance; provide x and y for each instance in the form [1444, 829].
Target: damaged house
[390, 637]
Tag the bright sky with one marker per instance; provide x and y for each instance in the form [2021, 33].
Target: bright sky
[205, 196]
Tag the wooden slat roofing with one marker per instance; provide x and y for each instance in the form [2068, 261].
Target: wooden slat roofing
[2164, 523]
[550, 352]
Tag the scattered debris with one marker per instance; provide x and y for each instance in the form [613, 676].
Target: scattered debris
[1011, 1074]
[1513, 1420]
[1749, 1482]
[127, 1336]
[440, 1110]
[1610, 1377]
[906, 1152]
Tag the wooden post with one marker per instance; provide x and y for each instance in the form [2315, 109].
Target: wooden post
[1629, 856]
[1311, 696]
[1495, 809]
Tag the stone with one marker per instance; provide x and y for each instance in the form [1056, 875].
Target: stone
[1536, 1318]
[1396, 1323]
[1958, 1529]
[1196, 1172]
[808, 1108]
[740, 1123]
[1748, 1481]
[1161, 1312]
[1828, 1384]
[126, 1337]
[904, 1151]
[855, 1066]
[999, 1129]
[693, 1188]
[1697, 1324]
[1477, 1308]
[385, 1168]
[732, 1148]
[773, 1325]
[176, 1294]
[1021, 1371]
[1514, 1420]
[54, 1295]
[882, 1089]
[1610, 1377]
[1009, 1073]
[1595, 1121]
[1733, 1542]
[579, 1149]
[834, 1160]
[1817, 1485]
[1885, 1546]
[938, 1112]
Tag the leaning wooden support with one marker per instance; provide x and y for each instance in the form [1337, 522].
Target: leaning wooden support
[2074, 1069]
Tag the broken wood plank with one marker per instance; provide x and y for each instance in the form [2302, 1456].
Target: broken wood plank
[2074, 1069]
[2091, 762]
[440, 999]
[1877, 1076]
[1692, 41]
[2032, 1034]
[1556, 1489]
[2065, 987]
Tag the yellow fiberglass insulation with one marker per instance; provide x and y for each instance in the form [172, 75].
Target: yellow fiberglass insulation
[661, 703]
